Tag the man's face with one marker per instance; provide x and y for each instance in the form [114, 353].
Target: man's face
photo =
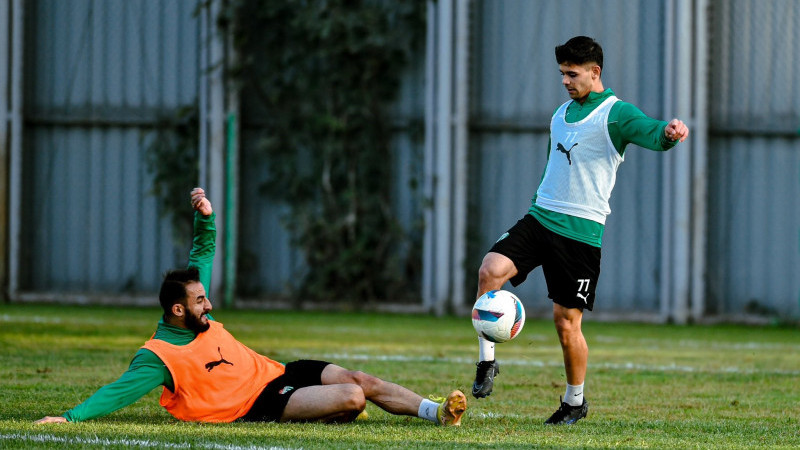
[197, 306]
[579, 79]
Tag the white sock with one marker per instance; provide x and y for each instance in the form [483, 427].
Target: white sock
[486, 349]
[428, 410]
[574, 395]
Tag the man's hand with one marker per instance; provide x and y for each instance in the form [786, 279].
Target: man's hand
[676, 130]
[200, 202]
[49, 419]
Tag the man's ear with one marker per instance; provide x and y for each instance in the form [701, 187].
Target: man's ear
[596, 71]
[178, 310]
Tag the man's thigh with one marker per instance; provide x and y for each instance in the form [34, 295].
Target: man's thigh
[525, 244]
[273, 399]
[572, 273]
[333, 374]
[321, 402]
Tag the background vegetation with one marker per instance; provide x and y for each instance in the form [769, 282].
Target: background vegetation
[319, 78]
[172, 159]
[649, 386]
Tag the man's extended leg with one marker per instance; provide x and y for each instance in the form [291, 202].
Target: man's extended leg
[495, 270]
[388, 396]
[343, 393]
[576, 355]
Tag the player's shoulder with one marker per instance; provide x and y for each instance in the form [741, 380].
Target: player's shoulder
[625, 110]
[145, 357]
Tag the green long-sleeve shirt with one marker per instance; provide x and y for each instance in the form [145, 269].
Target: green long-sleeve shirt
[627, 124]
[146, 371]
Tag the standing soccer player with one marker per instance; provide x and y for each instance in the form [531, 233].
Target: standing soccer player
[563, 229]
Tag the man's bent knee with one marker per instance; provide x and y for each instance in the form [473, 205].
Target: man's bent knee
[369, 384]
[567, 322]
[495, 270]
[353, 400]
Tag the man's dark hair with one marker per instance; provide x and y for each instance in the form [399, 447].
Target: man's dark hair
[173, 288]
[580, 50]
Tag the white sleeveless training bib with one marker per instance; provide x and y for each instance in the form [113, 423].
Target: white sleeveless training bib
[582, 167]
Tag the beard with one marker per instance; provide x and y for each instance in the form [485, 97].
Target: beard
[195, 323]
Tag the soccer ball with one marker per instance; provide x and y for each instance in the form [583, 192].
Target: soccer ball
[498, 316]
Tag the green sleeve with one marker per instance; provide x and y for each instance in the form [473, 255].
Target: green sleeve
[627, 124]
[204, 245]
[145, 373]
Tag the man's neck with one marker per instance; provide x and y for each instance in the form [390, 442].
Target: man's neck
[597, 90]
[174, 321]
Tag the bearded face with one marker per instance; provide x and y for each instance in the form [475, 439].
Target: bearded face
[197, 308]
[196, 323]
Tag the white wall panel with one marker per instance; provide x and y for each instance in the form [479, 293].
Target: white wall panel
[98, 76]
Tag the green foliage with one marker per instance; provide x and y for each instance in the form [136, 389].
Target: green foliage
[649, 386]
[319, 77]
[171, 157]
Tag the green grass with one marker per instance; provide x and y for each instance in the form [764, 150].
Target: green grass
[649, 386]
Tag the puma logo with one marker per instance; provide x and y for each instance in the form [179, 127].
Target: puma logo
[563, 150]
[286, 389]
[585, 297]
[212, 364]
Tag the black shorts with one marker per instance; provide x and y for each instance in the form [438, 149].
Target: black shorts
[272, 401]
[571, 268]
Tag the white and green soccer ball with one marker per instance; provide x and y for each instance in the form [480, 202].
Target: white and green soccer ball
[498, 316]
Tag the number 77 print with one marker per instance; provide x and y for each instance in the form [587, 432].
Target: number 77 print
[583, 286]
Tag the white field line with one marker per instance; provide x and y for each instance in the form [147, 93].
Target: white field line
[656, 345]
[493, 415]
[333, 357]
[5, 318]
[146, 443]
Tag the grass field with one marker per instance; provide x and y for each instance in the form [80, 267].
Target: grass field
[648, 385]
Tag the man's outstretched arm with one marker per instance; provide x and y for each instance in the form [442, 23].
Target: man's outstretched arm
[204, 237]
[632, 126]
[145, 373]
